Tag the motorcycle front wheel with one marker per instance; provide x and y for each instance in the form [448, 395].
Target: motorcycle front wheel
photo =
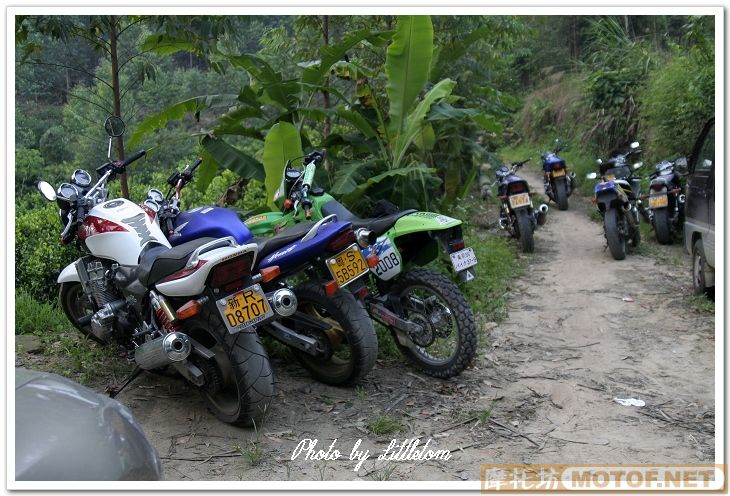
[524, 232]
[76, 304]
[561, 193]
[239, 381]
[616, 239]
[448, 342]
[351, 340]
[662, 227]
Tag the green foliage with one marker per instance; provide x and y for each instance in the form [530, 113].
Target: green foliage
[678, 99]
[384, 424]
[35, 317]
[39, 257]
[282, 144]
[54, 145]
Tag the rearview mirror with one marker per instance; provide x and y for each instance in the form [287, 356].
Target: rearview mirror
[681, 164]
[638, 165]
[114, 126]
[591, 175]
[599, 161]
[48, 191]
[634, 145]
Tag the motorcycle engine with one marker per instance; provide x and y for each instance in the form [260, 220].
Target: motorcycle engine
[112, 317]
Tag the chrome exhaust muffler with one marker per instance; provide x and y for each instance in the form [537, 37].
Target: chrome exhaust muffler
[162, 351]
[365, 237]
[542, 211]
[682, 198]
[503, 223]
[283, 301]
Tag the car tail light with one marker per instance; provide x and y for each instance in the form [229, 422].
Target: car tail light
[516, 188]
[342, 240]
[96, 225]
[184, 273]
[224, 274]
[657, 187]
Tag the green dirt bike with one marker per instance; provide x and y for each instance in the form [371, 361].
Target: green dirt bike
[425, 311]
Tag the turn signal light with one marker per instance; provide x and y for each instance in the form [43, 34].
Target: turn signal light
[330, 288]
[372, 260]
[270, 273]
[190, 309]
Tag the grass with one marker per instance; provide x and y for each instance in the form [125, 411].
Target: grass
[360, 393]
[485, 415]
[384, 473]
[64, 350]
[702, 304]
[384, 424]
[252, 453]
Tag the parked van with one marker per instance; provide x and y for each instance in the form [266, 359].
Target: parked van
[699, 225]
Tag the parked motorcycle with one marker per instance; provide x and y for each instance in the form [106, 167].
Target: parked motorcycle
[162, 303]
[327, 329]
[559, 182]
[617, 199]
[516, 213]
[666, 200]
[425, 311]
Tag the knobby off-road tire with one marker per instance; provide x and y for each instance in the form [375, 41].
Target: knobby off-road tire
[616, 240]
[662, 227]
[351, 337]
[561, 194]
[239, 379]
[76, 304]
[463, 334]
[524, 232]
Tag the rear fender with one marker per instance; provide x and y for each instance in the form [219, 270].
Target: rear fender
[194, 283]
[417, 235]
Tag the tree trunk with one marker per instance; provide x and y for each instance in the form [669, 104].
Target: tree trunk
[327, 127]
[117, 98]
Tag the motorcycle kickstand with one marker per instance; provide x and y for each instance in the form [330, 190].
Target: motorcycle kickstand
[113, 392]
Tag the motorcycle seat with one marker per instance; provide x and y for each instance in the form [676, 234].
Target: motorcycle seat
[379, 225]
[157, 261]
[290, 235]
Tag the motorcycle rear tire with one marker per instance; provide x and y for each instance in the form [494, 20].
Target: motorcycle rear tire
[241, 380]
[444, 289]
[662, 226]
[561, 193]
[352, 335]
[616, 240]
[524, 232]
[75, 305]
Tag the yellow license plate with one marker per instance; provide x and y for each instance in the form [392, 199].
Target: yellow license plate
[610, 177]
[347, 265]
[658, 201]
[520, 200]
[245, 308]
[559, 173]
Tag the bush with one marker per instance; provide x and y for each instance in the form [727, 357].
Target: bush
[39, 257]
[37, 317]
[54, 145]
[678, 100]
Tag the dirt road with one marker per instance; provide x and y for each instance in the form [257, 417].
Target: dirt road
[582, 330]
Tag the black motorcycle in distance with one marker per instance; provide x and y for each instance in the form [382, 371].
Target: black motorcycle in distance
[666, 199]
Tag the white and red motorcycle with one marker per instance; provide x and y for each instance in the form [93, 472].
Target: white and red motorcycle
[164, 304]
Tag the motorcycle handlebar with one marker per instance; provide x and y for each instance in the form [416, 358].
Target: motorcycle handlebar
[132, 158]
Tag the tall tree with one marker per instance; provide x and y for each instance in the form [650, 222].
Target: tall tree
[110, 36]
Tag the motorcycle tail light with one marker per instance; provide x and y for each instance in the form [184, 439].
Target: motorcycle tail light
[342, 240]
[557, 166]
[183, 273]
[516, 188]
[223, 275]
[456, 245]
[657, 187]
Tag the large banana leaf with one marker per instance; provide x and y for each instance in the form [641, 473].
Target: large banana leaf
[229, 157]
[358, 192]
[177, 111]
[407, 64]
[415, 120]
[349, 175]
[281, 144]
